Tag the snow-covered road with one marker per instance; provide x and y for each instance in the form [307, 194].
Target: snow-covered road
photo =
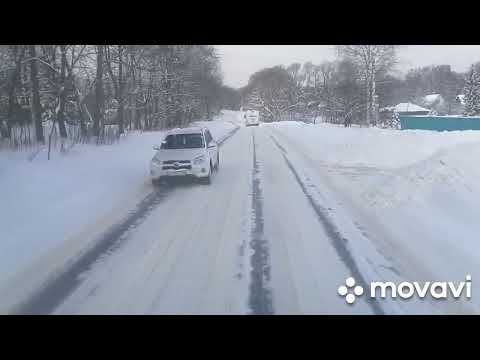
[277, 232]
[249, 243]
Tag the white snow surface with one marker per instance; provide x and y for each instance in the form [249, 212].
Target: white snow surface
[193, 253]
[51, 209]
[405, 202]
[189, 256]
[416, 193]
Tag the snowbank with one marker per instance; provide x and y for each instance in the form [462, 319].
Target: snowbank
[372, 147]
[416, 193]
[390, 166]
[58, 206]
[451, 169]
[233, 117]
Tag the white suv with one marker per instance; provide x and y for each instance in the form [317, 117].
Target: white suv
[185, 152]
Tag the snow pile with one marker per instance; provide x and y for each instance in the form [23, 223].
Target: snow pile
[448, 171]
[234, 117]
[372, 147]
[416, 193]
[392, 167]
[58, 206]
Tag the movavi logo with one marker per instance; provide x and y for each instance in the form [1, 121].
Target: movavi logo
[406, 290]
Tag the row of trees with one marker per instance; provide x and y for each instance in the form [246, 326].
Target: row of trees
[352, 88]
[90, 87]
[438, 79]
[343, 89]
[83, 91]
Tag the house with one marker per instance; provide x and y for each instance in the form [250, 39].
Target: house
[388, 115]
[404, 109]
[433, 100]
[436, 102]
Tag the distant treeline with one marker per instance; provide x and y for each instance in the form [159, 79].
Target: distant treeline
[91, 87]
[356, 85]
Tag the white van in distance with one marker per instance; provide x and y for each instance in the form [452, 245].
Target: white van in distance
[252, 118]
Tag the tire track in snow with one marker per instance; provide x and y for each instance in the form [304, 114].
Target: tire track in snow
[57, 289]
[336, 238]
[52, 294]
[260, 299]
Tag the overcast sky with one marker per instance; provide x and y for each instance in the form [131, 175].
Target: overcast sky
[241, 61]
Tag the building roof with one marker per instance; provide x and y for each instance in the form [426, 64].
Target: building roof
[409, 107]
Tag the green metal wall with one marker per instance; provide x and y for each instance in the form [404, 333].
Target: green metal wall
[439, 123]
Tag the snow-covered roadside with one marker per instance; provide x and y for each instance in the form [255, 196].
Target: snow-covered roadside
[415, 194]
[220, 128]
[51, 210]
[233, 117]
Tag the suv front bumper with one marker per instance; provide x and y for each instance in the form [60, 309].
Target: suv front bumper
[198, 171]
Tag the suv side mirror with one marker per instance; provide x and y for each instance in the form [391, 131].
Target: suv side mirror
[156, 147]
[212, 144]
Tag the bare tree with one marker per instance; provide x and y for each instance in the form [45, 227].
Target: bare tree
[62, 93]
[371, 59]
[83, 111]
[270, 91]
[99, 93]
[18, 52]
[36, 108]
[111, 87]
[115, 58]
[325, 85]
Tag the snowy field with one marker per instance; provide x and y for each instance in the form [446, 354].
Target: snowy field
[51, 209]
[416, 194]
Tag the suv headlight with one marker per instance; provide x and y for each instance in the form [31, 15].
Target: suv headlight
[199, 159]
[156, 161]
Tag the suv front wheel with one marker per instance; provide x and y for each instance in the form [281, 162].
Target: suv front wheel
[208, 179]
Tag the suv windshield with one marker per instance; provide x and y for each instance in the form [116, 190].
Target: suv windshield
[183, 141]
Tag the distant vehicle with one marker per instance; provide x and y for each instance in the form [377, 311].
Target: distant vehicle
[252, 118]
[190, 152]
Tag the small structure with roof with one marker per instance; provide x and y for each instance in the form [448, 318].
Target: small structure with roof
[410, 109]
[436, 103]
[389, 115]
[433, 100]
